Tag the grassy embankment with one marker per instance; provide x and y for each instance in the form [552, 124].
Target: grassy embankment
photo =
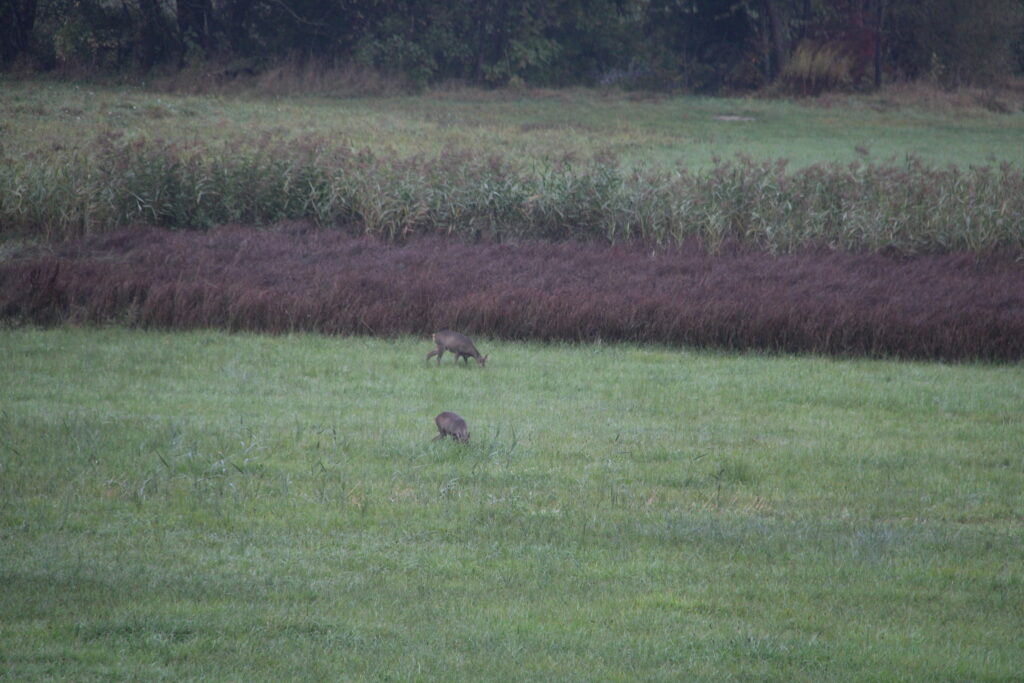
[210, 505]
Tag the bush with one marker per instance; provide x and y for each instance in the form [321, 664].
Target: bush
[813, 70]
[956, 42]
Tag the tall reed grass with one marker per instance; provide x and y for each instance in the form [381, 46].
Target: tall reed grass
[907, 206]
[294, 277]
[812, 70]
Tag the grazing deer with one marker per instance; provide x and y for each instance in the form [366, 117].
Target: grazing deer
[458, 344]
[450, 424]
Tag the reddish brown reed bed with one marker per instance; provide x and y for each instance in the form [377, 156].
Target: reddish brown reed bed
[295, 277]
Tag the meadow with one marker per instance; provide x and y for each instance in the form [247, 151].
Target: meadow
[216, 417]
[860, 174]
[211, 505]
[532, 126]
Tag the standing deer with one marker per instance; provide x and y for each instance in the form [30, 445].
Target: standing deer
[450, 424]
[458, 344]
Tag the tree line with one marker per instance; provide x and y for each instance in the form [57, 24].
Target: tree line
[805, 46]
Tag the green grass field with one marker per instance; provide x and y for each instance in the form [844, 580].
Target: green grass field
[53, 118]
[205, 505]
[859, 173]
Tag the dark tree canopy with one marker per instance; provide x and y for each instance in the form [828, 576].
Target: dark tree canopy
[700, 45]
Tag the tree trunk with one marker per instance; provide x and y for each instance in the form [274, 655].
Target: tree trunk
[194, 19]
[234, 16]
[879, 17]
[777, 52]
[151, 33]
[805, 19]
[18, 19]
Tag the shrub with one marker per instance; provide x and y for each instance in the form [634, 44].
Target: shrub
[812, 70]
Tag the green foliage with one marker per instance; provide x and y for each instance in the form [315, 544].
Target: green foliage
[699, 45]
[208, 506]
[957, 42]
[703, 45]
[396, 55]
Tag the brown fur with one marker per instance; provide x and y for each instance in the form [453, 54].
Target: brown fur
[459, 344]
[451, 424]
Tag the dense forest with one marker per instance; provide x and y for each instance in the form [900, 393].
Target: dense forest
[798, 46]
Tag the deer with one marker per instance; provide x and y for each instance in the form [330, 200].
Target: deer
[451, 424]
[458, 344]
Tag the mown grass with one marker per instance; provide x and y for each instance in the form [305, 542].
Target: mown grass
[210, 505]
